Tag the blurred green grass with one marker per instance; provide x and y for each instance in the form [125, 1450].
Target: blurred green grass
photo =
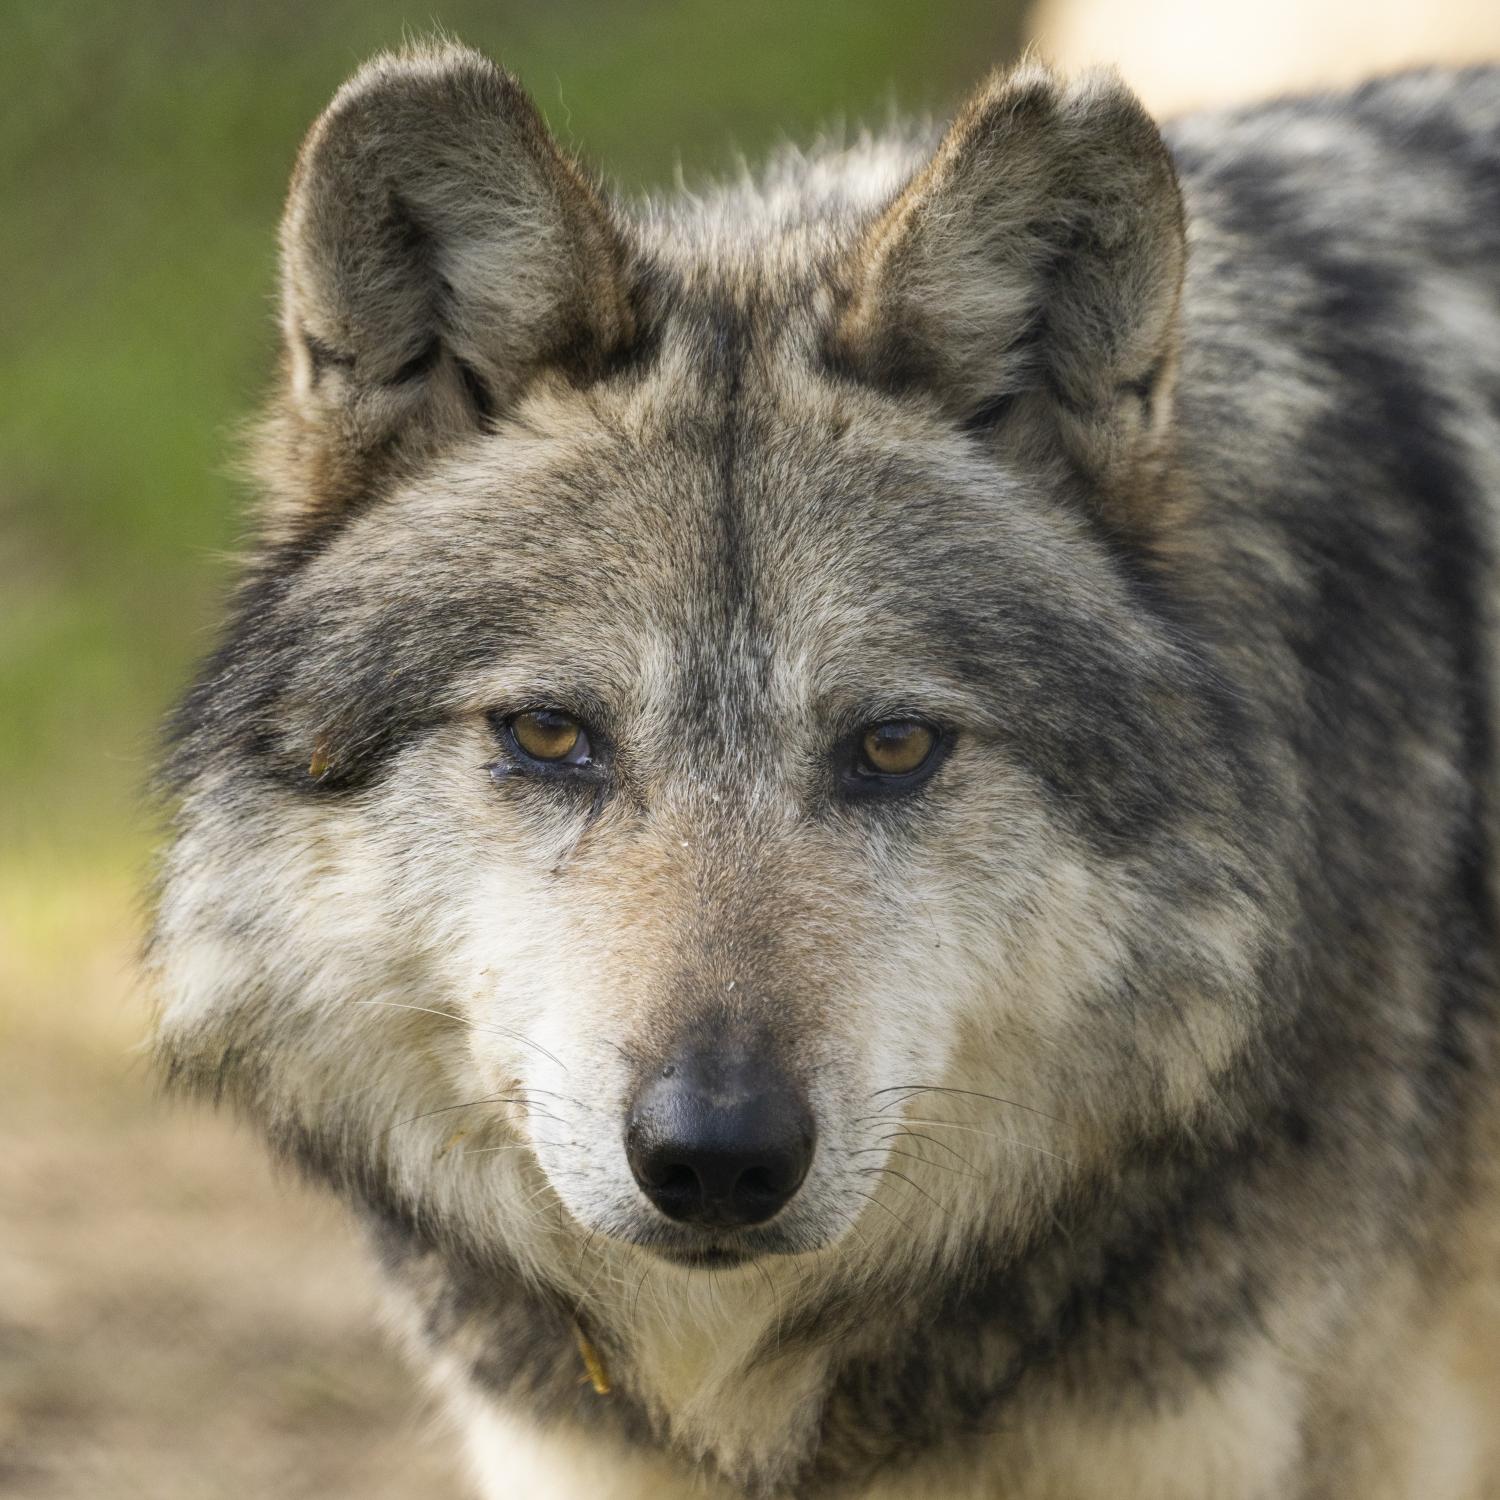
[143, 153]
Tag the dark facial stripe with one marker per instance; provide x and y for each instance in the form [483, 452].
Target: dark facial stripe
[318, 689]
[723, 332]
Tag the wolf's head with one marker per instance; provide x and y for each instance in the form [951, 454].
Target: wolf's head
[707, 764]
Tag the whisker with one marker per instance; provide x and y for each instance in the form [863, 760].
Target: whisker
[912, 1156]
[583, 1296]
[845, 1256]
[540, 1192]
[661, 1312]
[448, 1015]
[888, 1209]
[853, 1227]
[942, 1208]
[1006, 1140]
[448, 1109]
[490, 1150]
[583, 1254]
[775, 1302]
[565, 1098]
[635, 1304]
[910, 1091]
[916, 1135]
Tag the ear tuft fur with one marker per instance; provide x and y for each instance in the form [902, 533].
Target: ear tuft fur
[438, 249]
[1032, 269]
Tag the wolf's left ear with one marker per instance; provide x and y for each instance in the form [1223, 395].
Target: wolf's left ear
[1029, 276]
[438, 250]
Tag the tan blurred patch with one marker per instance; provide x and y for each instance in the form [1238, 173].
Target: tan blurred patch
[1183, 54]
[174, 1321]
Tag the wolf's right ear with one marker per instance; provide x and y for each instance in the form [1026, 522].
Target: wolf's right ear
[1029, 276]
[438, 249]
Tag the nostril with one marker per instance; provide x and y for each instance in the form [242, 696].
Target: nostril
[677, 1179]
[720, 1146]
[673, 1186]
[758, 1180]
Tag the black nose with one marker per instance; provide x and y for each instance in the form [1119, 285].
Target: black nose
[719, 1141]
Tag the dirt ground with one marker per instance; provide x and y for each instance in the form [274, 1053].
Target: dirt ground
[177, 1322]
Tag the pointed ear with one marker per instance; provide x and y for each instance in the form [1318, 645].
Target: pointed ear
[438, 249]
[1029, 276]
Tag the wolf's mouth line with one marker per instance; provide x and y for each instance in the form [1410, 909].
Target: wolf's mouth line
[712, 1257]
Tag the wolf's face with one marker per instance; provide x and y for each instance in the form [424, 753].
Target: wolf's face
[691, 772]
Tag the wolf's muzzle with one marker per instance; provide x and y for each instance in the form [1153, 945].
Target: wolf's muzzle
[721, 1142]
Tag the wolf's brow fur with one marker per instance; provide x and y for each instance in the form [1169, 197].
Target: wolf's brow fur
[1150, 1040]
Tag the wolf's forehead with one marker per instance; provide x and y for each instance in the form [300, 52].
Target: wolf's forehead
[743, 517]
[726, 524]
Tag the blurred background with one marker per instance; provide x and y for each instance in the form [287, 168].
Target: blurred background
[174, 1320]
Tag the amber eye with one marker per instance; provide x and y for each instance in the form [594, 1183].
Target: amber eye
[551, 736]
[896, 747]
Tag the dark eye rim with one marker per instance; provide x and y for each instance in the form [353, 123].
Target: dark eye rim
[859, 781]
[516, 760]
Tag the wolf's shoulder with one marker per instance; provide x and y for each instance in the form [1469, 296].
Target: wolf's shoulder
[1402, 163]
[1334, 236]
[1416, 104]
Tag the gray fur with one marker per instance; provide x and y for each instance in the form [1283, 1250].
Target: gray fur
[1151, 1041]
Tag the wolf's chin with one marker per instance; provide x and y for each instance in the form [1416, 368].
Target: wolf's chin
[710, 1258]
[720, 1252]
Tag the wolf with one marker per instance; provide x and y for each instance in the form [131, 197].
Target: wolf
[856, 811]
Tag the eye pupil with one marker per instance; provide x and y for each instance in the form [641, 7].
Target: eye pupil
[897, 747]
[545, 734]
